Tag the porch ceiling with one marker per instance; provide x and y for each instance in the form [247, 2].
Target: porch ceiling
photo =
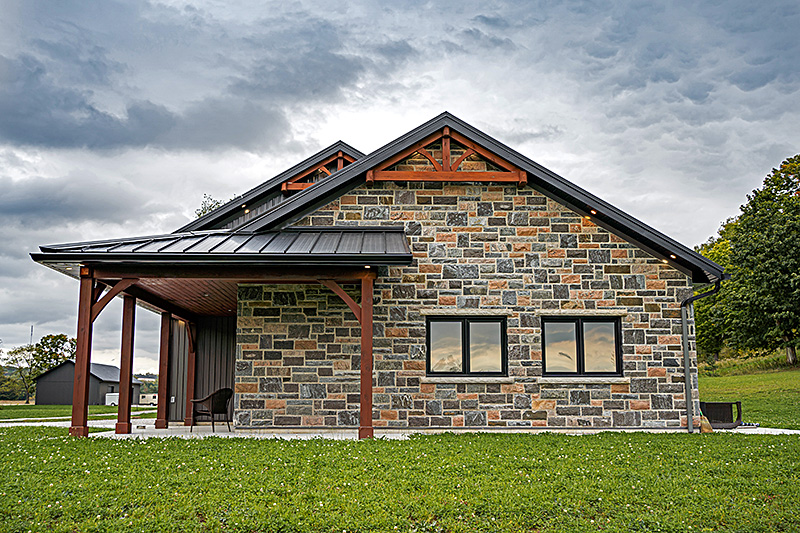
[202, 297]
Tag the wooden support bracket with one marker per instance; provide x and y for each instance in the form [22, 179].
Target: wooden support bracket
[335, 287]
[118, 287]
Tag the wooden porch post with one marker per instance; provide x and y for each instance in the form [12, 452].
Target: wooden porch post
[190, 370]
[163, 373]
[83, 356]
[126, 365]
[365, 429]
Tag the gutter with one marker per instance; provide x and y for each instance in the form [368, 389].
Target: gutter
[685, 341]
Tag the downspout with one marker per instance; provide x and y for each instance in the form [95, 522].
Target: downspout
[685, 334]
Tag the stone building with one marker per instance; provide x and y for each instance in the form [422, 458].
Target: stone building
[443, 281]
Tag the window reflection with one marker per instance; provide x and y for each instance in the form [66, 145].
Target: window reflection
[485, 349]
[446, 352]
[599, 347]
[561, 347]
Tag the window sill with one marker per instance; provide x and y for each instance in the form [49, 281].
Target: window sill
[466, 379]
[587, 380]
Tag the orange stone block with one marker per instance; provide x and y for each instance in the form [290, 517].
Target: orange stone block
[644, 349]
[458, 421]
[348, 199]
[313, 420]
[571, 278]
[305, 345]
[669, 339]
[389, 415]
[539, 423]
[512, 388]
[657, 372]
[521, 247]
[414, 365]
[430, 269]
[396, 332]
[585, 295]
[622, 388]
[341, 365]
[557, 252]
[446, 237]
[493, 415]
[497, 284]
[274, 404]
[640, 404]
[619, 254]
[246, 387]
[447, 300]
[427, 388]
[655, 284]
[527, 232]
[539, 405]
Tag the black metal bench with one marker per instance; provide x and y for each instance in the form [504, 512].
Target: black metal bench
[720, 414]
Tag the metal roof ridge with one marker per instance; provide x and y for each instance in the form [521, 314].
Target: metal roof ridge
[273, 181]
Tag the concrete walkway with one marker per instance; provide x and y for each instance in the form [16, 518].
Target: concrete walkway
[145, 428]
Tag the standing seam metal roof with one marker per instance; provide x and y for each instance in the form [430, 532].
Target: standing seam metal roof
[339, 245]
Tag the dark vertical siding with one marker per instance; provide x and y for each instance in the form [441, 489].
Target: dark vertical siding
[179, 354]
[216, 348]
[55, 388]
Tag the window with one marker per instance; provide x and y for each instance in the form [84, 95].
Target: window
[461, 346]
[581, 346]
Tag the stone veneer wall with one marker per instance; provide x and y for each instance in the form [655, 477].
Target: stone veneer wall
[489, 249]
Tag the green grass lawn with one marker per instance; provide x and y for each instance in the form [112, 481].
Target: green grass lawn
[32, 412]
[481, 482]
[771, 398]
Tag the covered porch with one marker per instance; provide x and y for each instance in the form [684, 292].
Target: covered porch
[192, 281]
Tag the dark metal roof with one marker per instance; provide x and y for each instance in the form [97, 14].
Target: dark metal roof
[351, 245]
[549, 183]
[271, 187]
[108, 373]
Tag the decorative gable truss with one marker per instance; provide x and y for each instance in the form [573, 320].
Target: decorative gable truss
[310, 176]
[447, 156]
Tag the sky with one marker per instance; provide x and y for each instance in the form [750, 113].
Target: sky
[116, 117]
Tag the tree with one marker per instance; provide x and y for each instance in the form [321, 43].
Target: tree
[32, 360]
[209, 204]
[765, 262]
[713, 315]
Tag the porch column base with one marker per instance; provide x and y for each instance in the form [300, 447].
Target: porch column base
[122, 428]
[367, 432]
[79, 431]
[161, 423]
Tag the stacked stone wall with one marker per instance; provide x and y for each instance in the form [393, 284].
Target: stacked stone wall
[488, 250]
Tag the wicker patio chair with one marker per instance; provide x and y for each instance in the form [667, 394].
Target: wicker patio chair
[215, 403]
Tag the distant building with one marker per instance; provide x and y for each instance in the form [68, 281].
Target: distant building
[54, 387]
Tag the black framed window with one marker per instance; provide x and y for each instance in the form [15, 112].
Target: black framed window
[581, 346]
[466, 346]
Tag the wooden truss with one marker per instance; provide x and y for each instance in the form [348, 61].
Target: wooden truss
[447, 169]
[295, 183]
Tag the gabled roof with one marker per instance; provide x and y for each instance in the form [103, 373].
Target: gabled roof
[107, 373]
[339, 245]
[268, 194]
[543, 180]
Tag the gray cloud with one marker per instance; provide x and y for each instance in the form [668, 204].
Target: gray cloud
[42, 202]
